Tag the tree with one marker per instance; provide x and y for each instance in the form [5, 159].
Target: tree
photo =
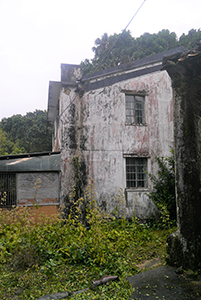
[192, 39]
[121, 52]
[27, 133]
[7, 146]
[148, 44]
[126, 48]
[2, 142]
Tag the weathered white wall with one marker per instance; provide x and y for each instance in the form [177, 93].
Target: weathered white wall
[96, 122]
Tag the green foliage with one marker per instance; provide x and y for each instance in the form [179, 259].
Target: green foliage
[75, 198]
[163, 194]
[127, 48]
[56, 255]
[191, 40]
[76, 177]
[25, 134]
[73, 201]
[120, 201]
[7, 146]
[3, 197]
[2, 142]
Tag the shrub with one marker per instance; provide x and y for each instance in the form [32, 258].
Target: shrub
[56, 255]
[163, 194]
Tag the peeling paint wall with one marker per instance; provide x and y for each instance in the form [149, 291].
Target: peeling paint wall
[71, 136]
[93, 127]
[108, 137]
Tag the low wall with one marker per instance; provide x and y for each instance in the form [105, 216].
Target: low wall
[39, 213]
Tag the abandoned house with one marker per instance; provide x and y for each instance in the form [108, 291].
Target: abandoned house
[31, 180]
[116, 122]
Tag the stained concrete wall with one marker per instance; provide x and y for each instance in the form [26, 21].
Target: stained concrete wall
[38, 187]
[184, 246]
[93, 128]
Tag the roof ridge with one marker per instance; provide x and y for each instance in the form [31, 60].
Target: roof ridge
[135, 63]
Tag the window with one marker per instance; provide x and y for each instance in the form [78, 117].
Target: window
[135, 109]
[7, 189]
[136, 175]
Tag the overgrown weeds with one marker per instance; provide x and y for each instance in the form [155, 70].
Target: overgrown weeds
[163, 194]
[56, 255]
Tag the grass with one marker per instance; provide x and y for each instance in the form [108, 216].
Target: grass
[56, 256]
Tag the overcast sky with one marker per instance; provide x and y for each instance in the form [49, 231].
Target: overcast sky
[36, 36]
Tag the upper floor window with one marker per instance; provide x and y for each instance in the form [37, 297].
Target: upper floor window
[135, 109]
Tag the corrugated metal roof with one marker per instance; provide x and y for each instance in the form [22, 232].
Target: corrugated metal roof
[31, 162]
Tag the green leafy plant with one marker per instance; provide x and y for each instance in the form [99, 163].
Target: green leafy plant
[37, 186]
[128, 48]
[119, 211]
[74, 202]
[163, 194]
[59, 254]
[3, 196]
[25, 134]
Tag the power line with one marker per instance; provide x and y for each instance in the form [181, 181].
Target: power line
[100, 63]
[116, 41]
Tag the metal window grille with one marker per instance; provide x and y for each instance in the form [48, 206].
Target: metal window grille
[135, 109]
[7, 189]
[136, 175]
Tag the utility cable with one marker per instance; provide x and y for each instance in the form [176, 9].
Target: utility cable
[103, 59]
[115, 42]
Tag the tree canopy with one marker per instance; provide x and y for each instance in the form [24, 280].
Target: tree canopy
[25, 134]
[126, 48]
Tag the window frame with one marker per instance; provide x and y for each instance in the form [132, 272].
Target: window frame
[134, 111]
[136, 179]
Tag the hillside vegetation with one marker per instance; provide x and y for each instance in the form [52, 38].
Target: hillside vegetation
[127, 48]
[25, 134]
